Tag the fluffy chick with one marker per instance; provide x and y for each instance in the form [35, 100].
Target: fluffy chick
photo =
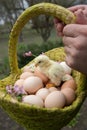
[53, 70]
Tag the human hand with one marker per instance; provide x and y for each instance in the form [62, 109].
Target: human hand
[80, 12]
[75, 45]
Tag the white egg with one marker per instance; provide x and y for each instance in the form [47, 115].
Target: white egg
[66, 67]
[55, 99]
[26, 75]
[51, 89]
[19, 83]
[33, 100]
[32, 84]
[43, 92]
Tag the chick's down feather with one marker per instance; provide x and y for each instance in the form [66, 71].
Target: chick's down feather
[53, 70]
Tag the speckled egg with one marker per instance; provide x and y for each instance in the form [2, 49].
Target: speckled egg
[33, 100]
[55, 99]
[43, 92]
[32, 84]
[19, 83]
[69, 95]
[26, 75]
[38, 73]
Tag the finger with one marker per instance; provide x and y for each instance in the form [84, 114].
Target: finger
[57, 21]
[68, 41]
[75, 8]
[60, 27]
[72, 59]
[80, 17]
[71, 30]
[80, 43]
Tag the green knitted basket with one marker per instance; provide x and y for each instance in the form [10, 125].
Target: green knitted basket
[31, 117]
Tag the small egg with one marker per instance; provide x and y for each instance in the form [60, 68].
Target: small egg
[29, 68]
[55, 99]
[19, 83]
[66, 67]
[32, 84]
[69, 95]
[26, 75]
[38, 73]
[26, 68]
[51, 89]
[43, 92]
[33, 100]
[69, 84]
[67, 77]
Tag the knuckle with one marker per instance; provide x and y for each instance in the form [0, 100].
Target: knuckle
[70, 62]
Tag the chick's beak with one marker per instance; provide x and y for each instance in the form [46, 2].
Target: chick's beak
[36, 64]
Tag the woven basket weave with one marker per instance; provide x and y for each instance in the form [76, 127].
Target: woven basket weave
[33, 118]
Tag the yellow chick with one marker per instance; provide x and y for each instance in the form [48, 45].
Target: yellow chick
[53, 70]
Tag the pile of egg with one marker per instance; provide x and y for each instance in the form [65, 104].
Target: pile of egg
[42, 93]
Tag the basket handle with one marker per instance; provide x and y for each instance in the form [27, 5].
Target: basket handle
[43, 8]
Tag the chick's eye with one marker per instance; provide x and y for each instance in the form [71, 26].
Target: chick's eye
[39, 62]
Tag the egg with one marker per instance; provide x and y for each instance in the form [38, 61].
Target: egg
[32, 84]
[29, 68]
[26, 75]
[69, 84]
[43, 92]
[38, 73]
[26, 68]
[19, 83]
[55, 99]
[69, 95]
[67, 77]
[51, 89]
[66, 67]
[33, 100]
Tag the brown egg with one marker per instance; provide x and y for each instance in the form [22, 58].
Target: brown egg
[29, 68]
[19, 82]
[69, 95]
[69, 84]
[26, 69]
[26, 75]
[38, 73]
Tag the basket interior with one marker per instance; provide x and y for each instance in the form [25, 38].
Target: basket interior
[28, 115]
